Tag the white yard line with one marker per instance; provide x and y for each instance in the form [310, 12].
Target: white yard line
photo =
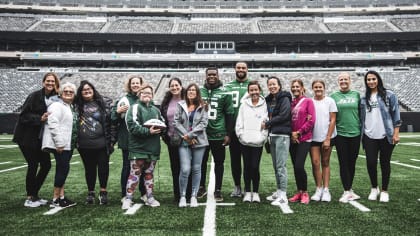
[133, 209]
[359, 206]
[6, 162]
[414, 160]
[398, 163]
[209, 228]
[53, 211]
[14, 168]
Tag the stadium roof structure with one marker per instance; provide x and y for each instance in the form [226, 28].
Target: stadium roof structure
[216, 6]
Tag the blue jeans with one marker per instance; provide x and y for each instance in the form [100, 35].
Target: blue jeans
[190, 160]
[279, 147]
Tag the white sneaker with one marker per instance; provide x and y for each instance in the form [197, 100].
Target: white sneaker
[144, 198]
[317, 196]
[152, 202]
[237, 192]
[182, 202]
[193, 202]
[346, 197]
[272, 197]
[374, 193]
[126, 203]
[326, 195]
[280, 200]
[354, 196]
[247, 197]
[256, 197]
[30, 203]
[384, 197]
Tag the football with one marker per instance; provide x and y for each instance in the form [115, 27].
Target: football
[122, 102]
[156, 123]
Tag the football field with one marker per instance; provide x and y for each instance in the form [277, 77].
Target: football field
[232, 217]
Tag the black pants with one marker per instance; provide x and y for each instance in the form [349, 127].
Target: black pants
[96, 161]
[125, 172]
[347, 152]
[175, 169]
[373, 147]
[62, 167]
[298, 153]
[252, 158]
[235, 159]
[218, 151]
[34, 178]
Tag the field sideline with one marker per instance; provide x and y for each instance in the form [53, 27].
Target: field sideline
[398, 217]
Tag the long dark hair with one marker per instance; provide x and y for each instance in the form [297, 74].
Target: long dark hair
[168, 95]
[97, 97]
[381, 89]
[198, 100]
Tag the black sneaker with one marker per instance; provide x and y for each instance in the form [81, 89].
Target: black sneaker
[201, 192]
[90, 199]
[103, 197]
[218, 196]
[55, 203]
[65, 202]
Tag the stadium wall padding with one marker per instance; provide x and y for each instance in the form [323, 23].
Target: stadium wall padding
[8, 121]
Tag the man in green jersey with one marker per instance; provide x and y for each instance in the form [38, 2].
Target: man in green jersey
[237, 88]
[219, 128]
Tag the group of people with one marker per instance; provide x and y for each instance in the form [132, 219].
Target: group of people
[198, 120]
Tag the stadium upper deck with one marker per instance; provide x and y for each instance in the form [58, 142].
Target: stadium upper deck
[244, 6]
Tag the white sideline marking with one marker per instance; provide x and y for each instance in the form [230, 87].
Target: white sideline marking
[6, 162]
[8, 146]
[398, 163]
[53, 210]
[75, 162]
[14, 168]
[19, 167]
[218, 204]
[209, 228]
[414, 160]
[285, 208]
[111, 162]
[359, 206]
[133, 209]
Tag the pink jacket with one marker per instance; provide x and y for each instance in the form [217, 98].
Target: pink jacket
[303, 117]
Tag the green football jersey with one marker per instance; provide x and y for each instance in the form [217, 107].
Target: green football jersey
[220, 105]
[237, 90]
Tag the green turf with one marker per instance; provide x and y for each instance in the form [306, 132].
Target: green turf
[398, 217]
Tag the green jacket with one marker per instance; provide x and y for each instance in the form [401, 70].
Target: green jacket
[119, 119]
[220, 112]
[142, 144]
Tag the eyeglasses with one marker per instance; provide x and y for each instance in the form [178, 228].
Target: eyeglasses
[68, 91]
[86, 89]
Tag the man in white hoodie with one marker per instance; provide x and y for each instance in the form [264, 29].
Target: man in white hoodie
[251, 134]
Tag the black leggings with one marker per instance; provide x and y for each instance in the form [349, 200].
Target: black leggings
[219, 155]
[95, 160]
[373, 147]
[175, 169]
[298, 153]
[62, 167]
[347, 152]
[252, 158]
[34, 178]
[235, 159]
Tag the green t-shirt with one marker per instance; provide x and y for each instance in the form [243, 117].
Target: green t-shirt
[220, 105]
[348, 120]
[237, 90]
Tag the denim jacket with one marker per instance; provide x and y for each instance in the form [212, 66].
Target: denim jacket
[390, 113]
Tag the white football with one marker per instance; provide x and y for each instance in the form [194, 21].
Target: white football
[122, 102]
[156, 123]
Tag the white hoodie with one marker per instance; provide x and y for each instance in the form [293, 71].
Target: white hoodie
[248, 124]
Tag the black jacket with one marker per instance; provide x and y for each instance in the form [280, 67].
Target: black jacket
[29, 128]
[280, 121]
